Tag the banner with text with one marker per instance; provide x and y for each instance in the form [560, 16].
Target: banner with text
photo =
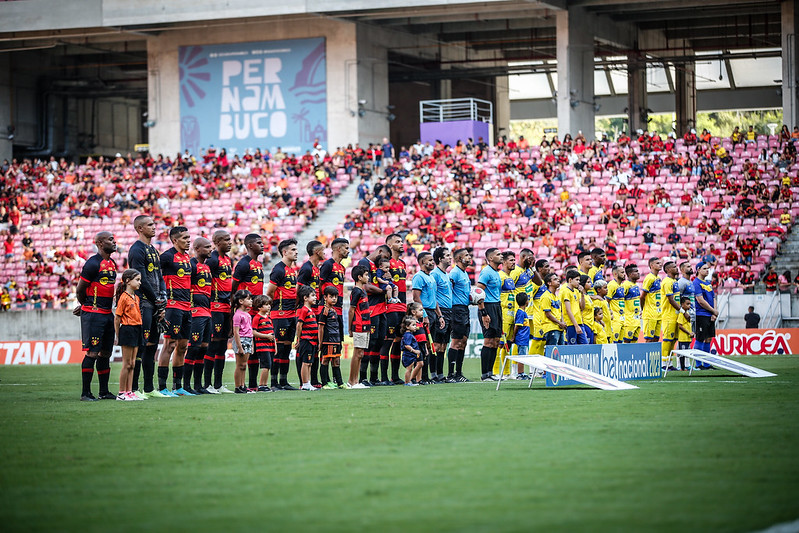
[253, 95]
[618, 361]
[756, 342]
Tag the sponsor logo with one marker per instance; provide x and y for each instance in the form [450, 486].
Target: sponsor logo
[105, 281]
[40, 352]
[254, 279]
[223, 276]
[150, 267]
[764, 342]
[181, 272]
[286, 285]
[201, 283]
[336, 281]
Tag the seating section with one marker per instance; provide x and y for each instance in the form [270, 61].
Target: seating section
[273, 199]
[589, 205]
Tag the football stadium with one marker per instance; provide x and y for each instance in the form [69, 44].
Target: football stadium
[497, 265]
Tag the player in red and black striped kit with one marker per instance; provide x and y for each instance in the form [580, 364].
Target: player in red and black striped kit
[249, 275]
[396, 311]
[308, 275]
[221, 284]
[307, 342]
[331, 273]
[282, 289]
[377, 309]
[201, 282]
[177, 271]
[95, 293]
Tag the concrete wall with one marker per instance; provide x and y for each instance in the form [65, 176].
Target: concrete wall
[43, 324]
[342, 83]
[5, 106]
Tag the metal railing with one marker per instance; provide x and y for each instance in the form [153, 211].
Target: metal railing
[456, 109]
[772, 318]
[724, 310]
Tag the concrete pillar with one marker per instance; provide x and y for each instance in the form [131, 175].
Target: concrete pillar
[6, 146]
[575, 55]
[685, 96]
[637, 115]
[790, 74]
[502, 106]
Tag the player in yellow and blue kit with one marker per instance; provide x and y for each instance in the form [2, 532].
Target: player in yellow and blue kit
[508, 302]
[670, 296]
[632, 304]
[650, 301]
[615, 299]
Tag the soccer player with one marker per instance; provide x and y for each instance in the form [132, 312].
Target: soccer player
[443, 260]
[282, 289]
[249, 276]
[201, 282]
[615, 299]
[601, 301]
[490, 312]
[596, 272]
[585, 262]
[221, 293]
[359, 323]
[632, 304]
[552, 325]
[650, 301]
[670, 296]
[587, 309]
[143, 256]
[573, 301]
[706, 313]
[508, 298]
[461, 323]
[264, 339]
[377, 308]
[95, 294]
[178, 271]
[538, 332]
[424, 293]
[396, 311]
[529, 282]
[686, 287]
[684, 330]
[331, 274]
[309, 276]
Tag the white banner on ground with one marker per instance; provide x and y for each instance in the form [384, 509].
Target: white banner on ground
[726, 364]
[571, 372]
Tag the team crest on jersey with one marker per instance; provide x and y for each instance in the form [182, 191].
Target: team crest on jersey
[95, 341]
[150, 267]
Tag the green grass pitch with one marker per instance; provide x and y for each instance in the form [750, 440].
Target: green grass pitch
[711, 452]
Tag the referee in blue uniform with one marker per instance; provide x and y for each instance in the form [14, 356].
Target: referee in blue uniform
[461, 324]
[424, 292]
[490, 312]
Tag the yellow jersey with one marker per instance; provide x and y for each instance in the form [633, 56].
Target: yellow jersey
[632, 303]
[616, 299]
[669, 288]
[549, 302]
[684, 320]
[605, 314]
[539, 318]
[588, 312]
[507, 295]
[567, 294]
[651, 287]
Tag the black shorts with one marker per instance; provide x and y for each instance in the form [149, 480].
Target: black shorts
[178, 324]
[220, 326]
[441, 335]
[200, 330]
[410, 360]
[393, 322]
[285, 329]
[149, 325]
[705, 328]
[306, 352]
[494, 329]
[265, 358]
[130, 335]
[377, 332]
[461, 323]
[330, 350]
[97, 332]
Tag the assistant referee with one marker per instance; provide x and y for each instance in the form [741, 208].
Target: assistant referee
[490, 312]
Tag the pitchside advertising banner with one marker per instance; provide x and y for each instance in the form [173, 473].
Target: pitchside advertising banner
[253, 95]
[623, 362]
[756, 342]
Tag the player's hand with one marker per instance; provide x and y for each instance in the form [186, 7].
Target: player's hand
[426, 322]
[486, 321]
[296, 345]
[76, 311]
[578, 329]
[441, 322]
[713, 318]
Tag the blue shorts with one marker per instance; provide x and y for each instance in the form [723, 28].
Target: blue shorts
[554, 337]
[522, 350]
[409, 360]
[573, 338]
[589, 335]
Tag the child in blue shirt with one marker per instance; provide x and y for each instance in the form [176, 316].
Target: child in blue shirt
[411, 354]
[521, 332]
[385, 282]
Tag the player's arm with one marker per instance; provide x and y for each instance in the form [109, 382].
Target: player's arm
[322, 325]
[644, 294]
[299, 333]
[684, 329]
[351, 319]
[672, 301]
[484, 318]
[582, 298]
[117, 322]
[89, 271]
[236, 338]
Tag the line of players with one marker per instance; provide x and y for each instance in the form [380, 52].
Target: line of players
[190, 297]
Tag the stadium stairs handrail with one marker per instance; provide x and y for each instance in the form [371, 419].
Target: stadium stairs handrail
[772, 318]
